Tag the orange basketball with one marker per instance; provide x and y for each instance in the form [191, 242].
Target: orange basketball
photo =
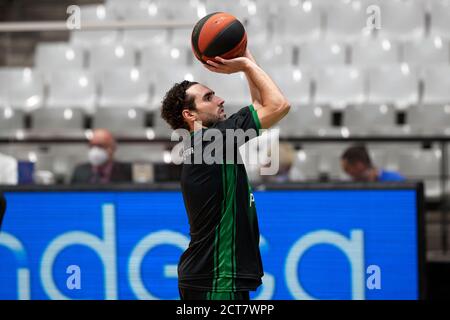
[218, 34]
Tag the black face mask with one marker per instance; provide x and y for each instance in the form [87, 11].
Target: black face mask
[2, 208]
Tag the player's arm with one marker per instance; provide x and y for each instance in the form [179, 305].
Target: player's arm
[256, 97]
[273, 105]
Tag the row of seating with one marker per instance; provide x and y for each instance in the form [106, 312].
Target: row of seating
[284, 20]
[302, 121]
[365, 53]
[312, 163]
[339, 86]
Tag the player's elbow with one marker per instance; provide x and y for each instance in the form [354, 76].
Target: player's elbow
[283, 107]
[279, 105]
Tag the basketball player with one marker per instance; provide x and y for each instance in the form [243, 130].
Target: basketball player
[223, 259]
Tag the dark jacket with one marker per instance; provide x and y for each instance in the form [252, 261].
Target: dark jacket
[121, 173]
[2, 208]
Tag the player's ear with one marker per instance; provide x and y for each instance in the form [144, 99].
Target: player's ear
[189, 115]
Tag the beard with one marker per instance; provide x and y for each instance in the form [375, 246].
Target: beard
[210, 119]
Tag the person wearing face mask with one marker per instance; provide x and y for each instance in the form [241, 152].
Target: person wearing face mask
[102, 169]
[357, 164]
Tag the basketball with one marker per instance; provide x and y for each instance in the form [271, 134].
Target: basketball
[218, 34]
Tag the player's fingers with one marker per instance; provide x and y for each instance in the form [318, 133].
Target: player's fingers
[221, 60]
[211, 68]
[212, 63]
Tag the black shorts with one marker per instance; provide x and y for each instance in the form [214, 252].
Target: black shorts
[189, 294]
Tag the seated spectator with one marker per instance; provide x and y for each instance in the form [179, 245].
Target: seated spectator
[8, 170]
[357, 164]
[102, 169]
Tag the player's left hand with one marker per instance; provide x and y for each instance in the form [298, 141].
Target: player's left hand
[228, 66]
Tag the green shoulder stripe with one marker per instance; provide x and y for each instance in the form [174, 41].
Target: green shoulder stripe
[255, 118]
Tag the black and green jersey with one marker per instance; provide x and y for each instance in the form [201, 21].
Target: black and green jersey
[223, 254]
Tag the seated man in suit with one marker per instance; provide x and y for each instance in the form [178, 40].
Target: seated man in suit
[102, 169]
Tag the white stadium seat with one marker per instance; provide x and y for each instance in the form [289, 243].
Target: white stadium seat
[430, 119]
[402, 19]
[124, 87]
[49, 55]
[436, 81]
[120, 120]
[339, 87]
[423, 165]
[72, 88]
[94, 14]
[427, 51]
[318, 53]
[10, 121]
[375, 52]
[296, 22]
[111, 56]
[23, 88]
[146, 11]
[163, 57]
[58, 121]
[369, 119]
[345, 20]
[305, 166]
[397, 85]
[440, 18]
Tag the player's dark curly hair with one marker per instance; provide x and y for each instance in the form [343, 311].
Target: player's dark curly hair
[175, 101]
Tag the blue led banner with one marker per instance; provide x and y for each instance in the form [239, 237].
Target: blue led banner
[315, 244]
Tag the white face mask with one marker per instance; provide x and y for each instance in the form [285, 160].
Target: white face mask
[97, 156]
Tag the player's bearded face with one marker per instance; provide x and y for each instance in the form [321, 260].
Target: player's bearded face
[209, 107]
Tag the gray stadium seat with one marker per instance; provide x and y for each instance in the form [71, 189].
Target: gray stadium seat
[295, 83]
[162, 57]
[339, 87]
[72, 88]
[120, 120]
[148, 11]
[10, 121]
[277, 55]
[329, 158]
[163, 81]
[369, 119]
[94, 14]
[305, 166]
[436, 81]
[296, 22]
[430, 119]
[402, 19]
[189, 11]
[49, 55]
[111, 56]
[160, 126]
[423, 165]
[375, 52]
[440, 18]
[427, 51]
[345, 20]
[24, 88]
[305, 120]
[319, 53]
[397, 85]
[124, 87]
[233, 88]
[58, 121]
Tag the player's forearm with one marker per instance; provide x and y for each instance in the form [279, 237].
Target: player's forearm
[253, 89]
[270, 95]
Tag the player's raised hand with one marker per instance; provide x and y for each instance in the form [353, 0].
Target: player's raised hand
[221, 65]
